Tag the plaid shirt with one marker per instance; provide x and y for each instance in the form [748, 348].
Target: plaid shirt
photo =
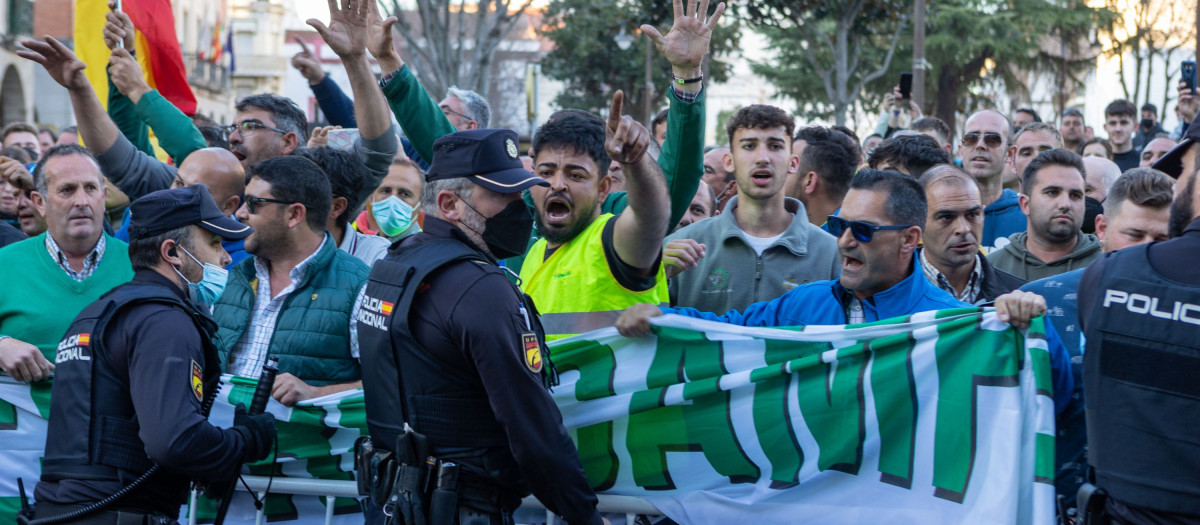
[969, 294]
[250, 352]
[90, 262]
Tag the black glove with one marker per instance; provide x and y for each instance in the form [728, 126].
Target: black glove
[257, 430]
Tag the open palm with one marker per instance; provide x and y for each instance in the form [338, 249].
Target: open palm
[687, 42]
[346, 34]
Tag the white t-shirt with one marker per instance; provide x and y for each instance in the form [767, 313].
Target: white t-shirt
[761, 243]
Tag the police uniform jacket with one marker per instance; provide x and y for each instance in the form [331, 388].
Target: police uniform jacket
[147, 382]
[476, 388]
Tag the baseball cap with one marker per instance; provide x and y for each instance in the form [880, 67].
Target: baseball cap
[166, 210]
[489, 157]
[1172, 162]
[1072, 112]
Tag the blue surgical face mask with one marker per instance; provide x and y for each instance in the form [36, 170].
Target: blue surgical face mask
[393, 215]
[211, 286]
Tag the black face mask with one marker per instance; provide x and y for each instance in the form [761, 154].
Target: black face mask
[1092, 208]
[507, 232]
[1147, 124]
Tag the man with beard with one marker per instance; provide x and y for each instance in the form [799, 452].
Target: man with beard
[1140, 317]
[762, 228]
[450, 345]
[950, 254]
[1052, 196]
[293, 297]
[878, 229]
[983, 151]
[1135, 212]
[615, 259]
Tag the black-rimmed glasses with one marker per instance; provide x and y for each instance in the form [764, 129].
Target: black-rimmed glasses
[252, 202]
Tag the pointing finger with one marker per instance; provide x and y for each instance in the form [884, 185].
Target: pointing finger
[303, 46]
[614, 110]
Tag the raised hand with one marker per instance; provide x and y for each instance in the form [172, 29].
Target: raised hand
[320, 136]
[127, 75]
[379, 34]
[687, 42]
[307, 64]
[625, 139]
[1188, 103]
[60, 62]
[13, 172]
[118, 28]
[681, 255]
[346, 34]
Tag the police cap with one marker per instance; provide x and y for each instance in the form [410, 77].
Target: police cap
[489, 157]
[1172, 162]
[166, 210]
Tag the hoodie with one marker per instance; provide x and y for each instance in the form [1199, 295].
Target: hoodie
[1014, 258]
[1002, 219]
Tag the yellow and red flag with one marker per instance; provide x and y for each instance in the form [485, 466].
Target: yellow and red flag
[157, 48]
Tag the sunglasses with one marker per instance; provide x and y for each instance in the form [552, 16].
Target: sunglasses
[991, 140]
[862, 231]
[252, 203]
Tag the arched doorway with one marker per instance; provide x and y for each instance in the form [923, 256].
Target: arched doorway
[12, 97]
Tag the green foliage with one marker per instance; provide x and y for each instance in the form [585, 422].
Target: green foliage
[587, 59]
[723, 117]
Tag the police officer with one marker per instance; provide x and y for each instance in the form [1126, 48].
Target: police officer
[1140, 312]
[137, 372]
[451, 347]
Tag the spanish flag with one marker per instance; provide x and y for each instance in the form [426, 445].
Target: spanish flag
[157, 50]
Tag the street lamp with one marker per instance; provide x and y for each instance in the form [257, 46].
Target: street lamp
[623, 39]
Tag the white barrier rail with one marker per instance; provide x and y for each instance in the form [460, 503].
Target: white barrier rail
[628, 505]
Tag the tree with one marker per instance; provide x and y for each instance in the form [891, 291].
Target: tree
[587, 59]
[1006, 43]
[1149, 32]
[456, 39]
[837, 40]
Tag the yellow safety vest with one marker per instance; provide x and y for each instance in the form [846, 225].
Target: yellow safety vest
[575, 290]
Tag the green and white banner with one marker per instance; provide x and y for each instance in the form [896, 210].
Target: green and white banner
[942, 417]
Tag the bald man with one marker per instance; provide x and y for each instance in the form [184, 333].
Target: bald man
[1101, 173]
[223, 175]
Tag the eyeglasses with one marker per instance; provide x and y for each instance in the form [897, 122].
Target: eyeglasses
[991, 140]
[249, 127]
[862, 231]
[252, 203]
[446, 110]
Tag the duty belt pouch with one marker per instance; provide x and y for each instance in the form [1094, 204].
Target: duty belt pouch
[408, 497]
[376, 470]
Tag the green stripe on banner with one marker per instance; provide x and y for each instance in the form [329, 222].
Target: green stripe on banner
[924, 417]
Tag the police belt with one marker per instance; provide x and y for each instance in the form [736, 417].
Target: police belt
[104, 517]
[425, 492]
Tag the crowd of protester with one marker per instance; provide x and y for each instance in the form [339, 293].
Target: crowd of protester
[757, 231]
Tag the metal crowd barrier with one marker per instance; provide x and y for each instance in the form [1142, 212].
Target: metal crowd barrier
[628, 505]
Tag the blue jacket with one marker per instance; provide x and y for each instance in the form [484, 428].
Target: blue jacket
[825, 303]
[1001, 219]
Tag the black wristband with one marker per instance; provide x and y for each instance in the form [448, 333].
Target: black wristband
[678, 80]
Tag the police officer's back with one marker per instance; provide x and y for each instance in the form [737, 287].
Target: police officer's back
[1140, 312]
[134, 370]
[442, 327]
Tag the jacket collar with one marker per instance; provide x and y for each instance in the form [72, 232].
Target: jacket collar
[903, 298]
[794, 238]
[319, 261]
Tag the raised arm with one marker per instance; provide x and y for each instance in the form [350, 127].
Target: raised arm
[685, 46]
[337, 107]
[639, 231]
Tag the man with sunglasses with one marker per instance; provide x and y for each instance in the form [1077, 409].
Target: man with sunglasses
[293, 298]
[878, 230]
[983, 151]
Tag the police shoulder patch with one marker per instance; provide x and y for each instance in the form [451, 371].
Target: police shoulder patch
[533, 352]
[197, 381]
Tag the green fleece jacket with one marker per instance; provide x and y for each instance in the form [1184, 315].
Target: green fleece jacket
[1016, 259]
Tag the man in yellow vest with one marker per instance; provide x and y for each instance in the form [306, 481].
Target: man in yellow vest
[589, 266]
